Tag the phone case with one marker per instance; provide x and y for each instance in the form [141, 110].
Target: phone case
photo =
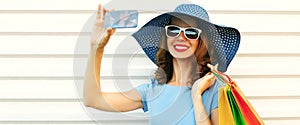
[121, 19]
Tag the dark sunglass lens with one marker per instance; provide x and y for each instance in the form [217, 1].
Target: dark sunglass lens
[173, 31]
[191, 33]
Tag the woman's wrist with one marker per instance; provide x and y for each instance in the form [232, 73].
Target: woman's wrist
[96, 47]
[95, 50]
[197, 98]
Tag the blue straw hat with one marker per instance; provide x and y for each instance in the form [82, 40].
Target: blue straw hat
[222, 42]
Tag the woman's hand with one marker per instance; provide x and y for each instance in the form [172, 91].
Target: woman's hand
[100, 36]
[203, 83]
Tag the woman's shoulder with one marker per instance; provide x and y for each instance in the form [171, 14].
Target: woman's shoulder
[149, 89]
[152, 83]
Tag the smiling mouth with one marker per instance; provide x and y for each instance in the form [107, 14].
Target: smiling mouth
[181, 48]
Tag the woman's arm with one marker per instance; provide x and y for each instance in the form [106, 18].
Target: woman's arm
[93, 97]
[215, 116]
[201, 116]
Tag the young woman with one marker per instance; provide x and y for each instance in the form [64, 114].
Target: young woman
[183, 44]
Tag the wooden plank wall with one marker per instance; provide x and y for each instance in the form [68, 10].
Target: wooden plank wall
[44, 46]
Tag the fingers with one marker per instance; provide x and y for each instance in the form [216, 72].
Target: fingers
[104, 39]
[104, 12]
[212, 68]
[101, 12]
[210, 77]
[210, 80]
[205, 82]
[111, 31]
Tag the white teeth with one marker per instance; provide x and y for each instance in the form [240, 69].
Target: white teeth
[181, 47]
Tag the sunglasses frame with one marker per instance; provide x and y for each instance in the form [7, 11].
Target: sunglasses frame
[182, 29]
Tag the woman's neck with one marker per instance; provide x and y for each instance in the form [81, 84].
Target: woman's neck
[183, 71]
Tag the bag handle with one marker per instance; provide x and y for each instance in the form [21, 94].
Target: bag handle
[222, 77]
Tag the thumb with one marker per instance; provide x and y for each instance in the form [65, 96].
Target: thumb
[108, 33]
[111, 31]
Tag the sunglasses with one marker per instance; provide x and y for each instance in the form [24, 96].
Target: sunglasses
[190, 33]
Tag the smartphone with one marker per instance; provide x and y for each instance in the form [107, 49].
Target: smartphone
[121, 19]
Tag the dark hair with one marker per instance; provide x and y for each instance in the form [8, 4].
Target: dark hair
[164, 59]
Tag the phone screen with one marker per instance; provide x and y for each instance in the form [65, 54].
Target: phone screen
[121, 19]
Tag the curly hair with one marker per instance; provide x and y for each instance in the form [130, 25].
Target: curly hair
[164, 72]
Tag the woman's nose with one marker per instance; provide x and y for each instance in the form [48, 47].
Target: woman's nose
[182, 36]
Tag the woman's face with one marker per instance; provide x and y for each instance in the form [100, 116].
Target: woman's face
[181, 47]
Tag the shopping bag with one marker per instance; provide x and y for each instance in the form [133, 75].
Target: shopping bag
[225, 115]
[237, 115]
[248, 112]
[242, 111]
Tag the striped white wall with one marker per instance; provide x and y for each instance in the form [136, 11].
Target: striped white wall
[39, 44]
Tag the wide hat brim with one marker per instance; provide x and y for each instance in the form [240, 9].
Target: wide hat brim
[222, 42]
